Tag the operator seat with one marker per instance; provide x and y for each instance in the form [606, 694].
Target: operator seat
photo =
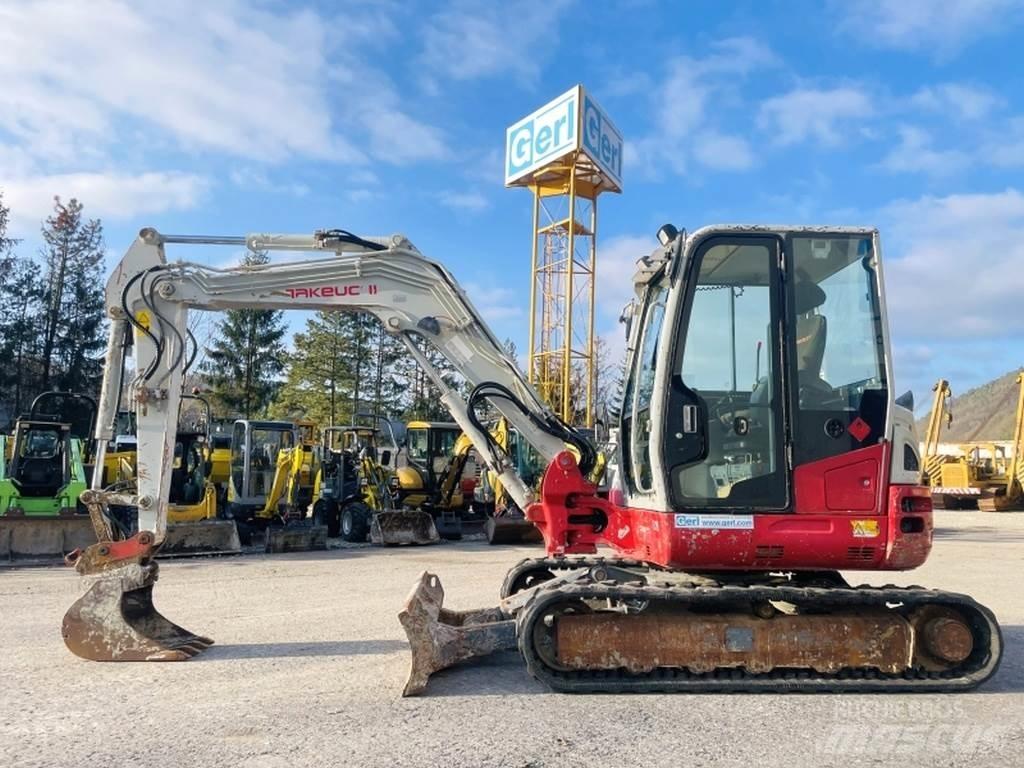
[811, 335]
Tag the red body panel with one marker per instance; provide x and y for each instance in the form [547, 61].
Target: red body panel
[845, 516]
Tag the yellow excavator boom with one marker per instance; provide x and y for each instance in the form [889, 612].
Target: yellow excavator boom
[932, 461]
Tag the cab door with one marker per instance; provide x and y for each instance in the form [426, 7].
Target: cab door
[724, 443]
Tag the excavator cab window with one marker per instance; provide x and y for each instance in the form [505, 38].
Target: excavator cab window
[838, 348]
[443, 441]
[725, 425]
[644, 389]
[418, 446]
[40, 467]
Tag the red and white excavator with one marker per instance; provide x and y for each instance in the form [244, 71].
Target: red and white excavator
[761, 451]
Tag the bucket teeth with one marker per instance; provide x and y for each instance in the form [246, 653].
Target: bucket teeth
[115, 620]
[439, 638]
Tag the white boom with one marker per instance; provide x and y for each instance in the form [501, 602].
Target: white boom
[387, 277]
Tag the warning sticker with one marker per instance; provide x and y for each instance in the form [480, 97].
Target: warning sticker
[864, 529]
[719, 522]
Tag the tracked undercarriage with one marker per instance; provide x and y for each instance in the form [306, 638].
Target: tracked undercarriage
[600, 625]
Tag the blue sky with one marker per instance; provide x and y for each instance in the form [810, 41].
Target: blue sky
[231, 117]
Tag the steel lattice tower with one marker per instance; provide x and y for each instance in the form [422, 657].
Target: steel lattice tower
[566, 153]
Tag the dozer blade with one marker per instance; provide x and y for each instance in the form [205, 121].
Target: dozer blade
[511, 530]
[203, 537]
[296, 537]
[439, 638]
[27, 538]
[115, 620]
[403, 527]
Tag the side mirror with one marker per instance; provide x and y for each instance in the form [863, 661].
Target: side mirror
[626, 317]
[385, 457]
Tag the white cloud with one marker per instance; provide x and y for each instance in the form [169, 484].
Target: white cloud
[968, 102]
[470, 40]
[110, 195]
[723, 152]
[924, 24]
[616, 265]
[495, 303]
[361, 195]
[465, 201]
[827, 117]
[246, 79]
[679, 105]
[955, 265]
[230, 77]
[914, 154]
[248, 177]
[400, 139]
[1005, 146]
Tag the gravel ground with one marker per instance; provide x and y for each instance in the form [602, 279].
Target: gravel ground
[310, 661]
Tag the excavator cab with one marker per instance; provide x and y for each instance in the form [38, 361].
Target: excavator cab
[775, 367]
[429, 447]
[194, 526]
[758, 435]
[255, 446]
[439, 473]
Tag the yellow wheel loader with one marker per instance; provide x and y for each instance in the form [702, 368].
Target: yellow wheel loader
[355, 492]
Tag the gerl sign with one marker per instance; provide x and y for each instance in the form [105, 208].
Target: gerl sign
[571, 122]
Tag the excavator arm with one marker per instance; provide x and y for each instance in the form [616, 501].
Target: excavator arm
[413, 297]
[148, 301]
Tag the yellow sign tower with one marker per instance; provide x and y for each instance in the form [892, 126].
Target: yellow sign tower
[566, 153]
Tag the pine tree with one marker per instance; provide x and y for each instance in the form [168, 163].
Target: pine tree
[388, 388]
[7, 244]
[246, 356]
[342, 364]
[73, 319]
[423, 399]
[11, 372]
[317, 385]
[20, 345]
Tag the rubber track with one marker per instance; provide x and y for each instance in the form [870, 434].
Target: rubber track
[980, 666]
